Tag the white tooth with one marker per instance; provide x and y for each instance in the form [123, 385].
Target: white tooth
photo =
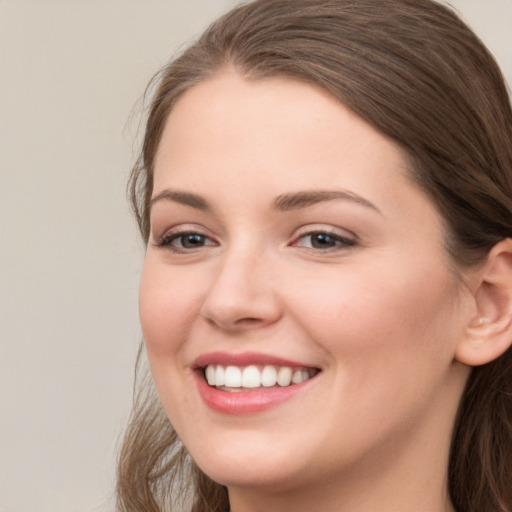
[297, 377]
[268, 376]
[305, 375]
[284, 376]
[219, 375]
[210, 375]
[232, 377]
[251, 377]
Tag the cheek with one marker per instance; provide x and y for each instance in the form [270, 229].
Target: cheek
[168, 303]
[381, 315]
[168, 306]
[389, 343]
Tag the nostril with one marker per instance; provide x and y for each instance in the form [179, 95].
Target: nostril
[245, 324]
[240, 324]
[248, 321]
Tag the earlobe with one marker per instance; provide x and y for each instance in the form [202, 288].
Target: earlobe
[489, 332]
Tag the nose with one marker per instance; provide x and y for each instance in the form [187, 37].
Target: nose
[243, 294]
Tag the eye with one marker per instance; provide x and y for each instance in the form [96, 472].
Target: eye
[184, 241]
[323, 240]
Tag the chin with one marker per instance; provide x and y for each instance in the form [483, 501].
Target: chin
[261, 476]
[260, 464]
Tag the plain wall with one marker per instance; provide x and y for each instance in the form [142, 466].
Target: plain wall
[71, 72]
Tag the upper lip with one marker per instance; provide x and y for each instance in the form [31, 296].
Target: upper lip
[245, 359]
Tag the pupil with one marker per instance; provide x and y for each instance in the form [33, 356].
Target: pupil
[323, 240]
[192, 240]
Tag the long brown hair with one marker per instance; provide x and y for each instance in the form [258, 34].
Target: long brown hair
[417, 73]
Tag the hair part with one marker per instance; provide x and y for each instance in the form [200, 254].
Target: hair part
[414, 71]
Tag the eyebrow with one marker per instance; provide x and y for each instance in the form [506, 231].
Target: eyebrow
[303, 199]
[186, 198]
[283, 202]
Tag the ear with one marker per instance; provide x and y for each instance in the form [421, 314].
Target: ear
[489, 332]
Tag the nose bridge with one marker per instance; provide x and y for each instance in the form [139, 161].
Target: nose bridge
[242, 292]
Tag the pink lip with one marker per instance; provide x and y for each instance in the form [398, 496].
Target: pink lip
[244, 402]
[244, 359]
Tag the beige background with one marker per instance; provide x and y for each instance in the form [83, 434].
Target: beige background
[71, 71]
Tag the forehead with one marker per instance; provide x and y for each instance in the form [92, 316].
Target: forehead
[276, 125]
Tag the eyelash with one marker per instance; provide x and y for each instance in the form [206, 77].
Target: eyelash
[167, 240]
[341, 242]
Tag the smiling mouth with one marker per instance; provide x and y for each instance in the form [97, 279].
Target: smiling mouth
[255, 377]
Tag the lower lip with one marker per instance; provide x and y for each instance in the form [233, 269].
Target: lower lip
[245, 402]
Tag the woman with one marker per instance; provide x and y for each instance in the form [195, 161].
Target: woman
[325, 190]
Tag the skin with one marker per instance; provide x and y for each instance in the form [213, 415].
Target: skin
[380, 313]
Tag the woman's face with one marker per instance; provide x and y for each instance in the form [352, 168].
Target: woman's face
[288, 243]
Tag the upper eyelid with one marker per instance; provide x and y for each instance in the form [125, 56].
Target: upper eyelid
[334, 234]
[301, 231]
[183, 228]
[322, 228]
[186, 232]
